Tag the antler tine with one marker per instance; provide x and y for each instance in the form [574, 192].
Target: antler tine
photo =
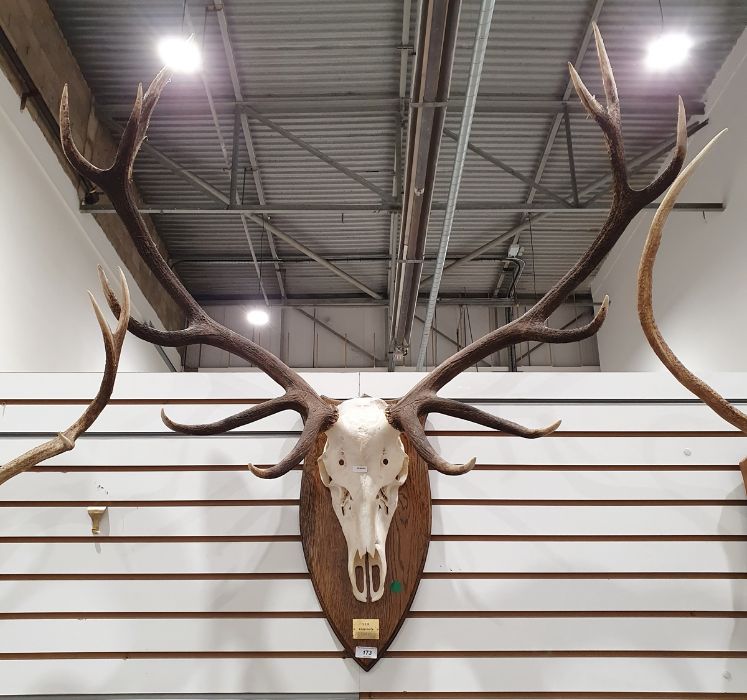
[608, 116]
[312, 428]
[457, 409]
[645, 303]
[413, 429]
[608, 78]
[129, 141]
[572, 335]
[601, 114]
[113, 347]
[406, 418]
[660, 184]
[81, 164]
[262, 410]
[116, 183]
[150, 334]
[65, 440]
[626, 203]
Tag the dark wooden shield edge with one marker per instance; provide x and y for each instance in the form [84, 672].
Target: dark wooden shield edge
[325, 551]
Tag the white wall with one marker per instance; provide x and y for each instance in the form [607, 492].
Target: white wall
[48, 258]
[700, 280]
[605, 559]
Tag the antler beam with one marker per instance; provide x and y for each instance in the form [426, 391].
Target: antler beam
[406, 414]
[317, 412]
[645, 303]
[65, 440]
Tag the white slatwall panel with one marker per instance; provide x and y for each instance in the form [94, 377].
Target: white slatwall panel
[611, 558]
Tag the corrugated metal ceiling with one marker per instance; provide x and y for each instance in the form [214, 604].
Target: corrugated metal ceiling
[328, 71]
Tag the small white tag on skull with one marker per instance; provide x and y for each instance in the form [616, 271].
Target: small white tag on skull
[359, 468]
[366, 652]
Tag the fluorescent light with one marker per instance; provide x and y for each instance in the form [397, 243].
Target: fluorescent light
[668, 51]
[258, 317]
[179, 54]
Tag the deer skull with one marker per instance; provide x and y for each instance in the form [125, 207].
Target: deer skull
[363, 465]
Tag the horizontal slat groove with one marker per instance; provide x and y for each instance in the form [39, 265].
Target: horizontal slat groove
[436, 501]
[418, 614]
[455, 575]
[477, 468]
[499, 400]
[548, 695]
[174, 539]
[128, 402]
[484, 434]
[466, 654]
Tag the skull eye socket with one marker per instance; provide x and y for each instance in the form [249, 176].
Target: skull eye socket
[386, 461]
[342, 462]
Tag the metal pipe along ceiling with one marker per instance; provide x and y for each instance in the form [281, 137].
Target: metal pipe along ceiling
[473, 85]
[437, 30]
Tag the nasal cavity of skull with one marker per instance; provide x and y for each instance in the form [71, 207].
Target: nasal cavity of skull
[383, 501]
[367, 576]
[374, 583]
[346, 499]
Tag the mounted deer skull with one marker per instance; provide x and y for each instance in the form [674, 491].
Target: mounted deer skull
[363, 465]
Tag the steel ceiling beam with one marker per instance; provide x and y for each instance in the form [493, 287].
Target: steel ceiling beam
[367, 103]
[553, 132]
[332, 300]
[280, 208]
[216, 194]
[571, 159]
[569, 90]
[633, 167]
[394, 219]
[273, 126]
[431, 82]
[508, 169]
[336, 208]
[234, 199]
[248, 141]
[479, 47]
[343, 257]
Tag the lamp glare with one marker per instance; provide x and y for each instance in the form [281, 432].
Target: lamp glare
[258, 317]
[668, 51]
[179, 54]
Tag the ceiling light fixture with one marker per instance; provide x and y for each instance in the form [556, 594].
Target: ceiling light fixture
[180, 54]
[258, 317]
[668, 51]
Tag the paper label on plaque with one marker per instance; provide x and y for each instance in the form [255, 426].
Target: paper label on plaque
[365, 628]
[360, 469]
[366, 652]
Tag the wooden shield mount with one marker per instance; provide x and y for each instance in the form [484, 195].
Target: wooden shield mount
[326, 553]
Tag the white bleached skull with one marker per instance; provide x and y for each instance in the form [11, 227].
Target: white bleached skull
[363, 465]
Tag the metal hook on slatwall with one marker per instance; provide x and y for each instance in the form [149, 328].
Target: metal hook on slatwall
[96, 513]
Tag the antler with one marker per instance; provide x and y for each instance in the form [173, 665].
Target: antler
[116, 182]
[422, 399]
[645, 304]
[65, 440]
